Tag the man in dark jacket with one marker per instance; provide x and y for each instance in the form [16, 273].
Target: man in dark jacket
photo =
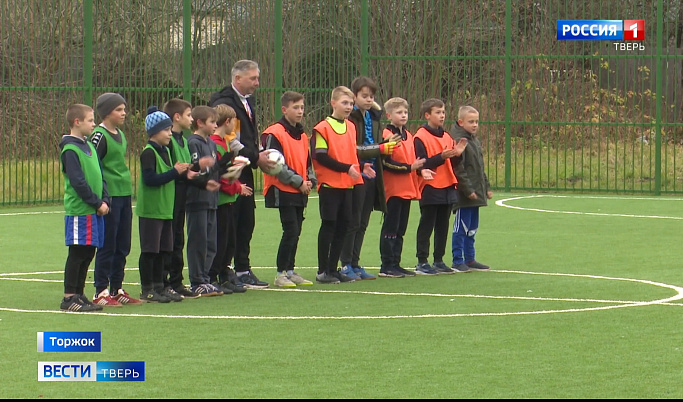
[238, 95]
[473, 191]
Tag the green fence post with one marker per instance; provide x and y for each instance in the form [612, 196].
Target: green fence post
[508, 89]
[87, 51]
[364, 37]
[658, 102]
[278, 58]
[187, 50]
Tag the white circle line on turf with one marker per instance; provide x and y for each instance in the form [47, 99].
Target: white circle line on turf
[470, 296]
[363, 292]
[678, 296]
[502, 203]
[379, 293]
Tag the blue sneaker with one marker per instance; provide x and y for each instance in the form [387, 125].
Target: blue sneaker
[462, 267]
[350, 272]
[424, 268]
[362, 274]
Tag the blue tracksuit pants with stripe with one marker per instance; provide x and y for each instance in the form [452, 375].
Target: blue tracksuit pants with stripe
[464, 228]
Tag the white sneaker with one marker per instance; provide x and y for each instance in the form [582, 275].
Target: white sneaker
[283, 281]
[299, 280]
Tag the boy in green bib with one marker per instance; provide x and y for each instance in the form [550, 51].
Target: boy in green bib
[156, 195]
[111, 146]
[220, 273]
[180, 112]
[85, 204]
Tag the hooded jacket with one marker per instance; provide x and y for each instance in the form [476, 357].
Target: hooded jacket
[470, 172]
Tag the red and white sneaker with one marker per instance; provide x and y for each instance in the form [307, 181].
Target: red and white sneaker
[123, 297]
[104, 299]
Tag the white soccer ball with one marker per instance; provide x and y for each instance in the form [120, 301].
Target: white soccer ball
[275, 155]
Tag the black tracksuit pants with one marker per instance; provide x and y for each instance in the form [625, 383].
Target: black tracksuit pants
[436, 219]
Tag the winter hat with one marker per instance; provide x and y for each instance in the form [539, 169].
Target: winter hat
[107, 102]
[156, 121]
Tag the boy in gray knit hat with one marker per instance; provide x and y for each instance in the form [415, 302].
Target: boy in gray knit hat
[111, 146]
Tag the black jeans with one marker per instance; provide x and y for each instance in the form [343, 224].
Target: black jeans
[292, 219]
[363, 204]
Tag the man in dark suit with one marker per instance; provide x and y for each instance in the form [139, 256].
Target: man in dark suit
[238, 95]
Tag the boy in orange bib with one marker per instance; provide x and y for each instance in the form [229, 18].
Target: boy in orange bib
[288, 190]
[436, 184]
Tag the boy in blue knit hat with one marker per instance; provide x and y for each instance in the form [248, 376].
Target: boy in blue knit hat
[156, 194]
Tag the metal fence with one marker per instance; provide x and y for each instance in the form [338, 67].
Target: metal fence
[556, 115]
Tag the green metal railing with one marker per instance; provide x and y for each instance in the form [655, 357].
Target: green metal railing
[555, 115]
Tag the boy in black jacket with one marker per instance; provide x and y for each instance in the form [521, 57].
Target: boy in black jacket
[369, 196]
[473, 191]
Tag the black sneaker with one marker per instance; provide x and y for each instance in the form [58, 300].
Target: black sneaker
[186, 293]
[172, 294]
[250, 281]
[391, 273]
[423, 268]
[460, 268]
[342, 278]
[233, 282]
[76, 305]
[85, 300]
[234, 287]
[442, 268]
[326, 278]
[154, 297]
[224, 289]
[477, 266]
[405, 271]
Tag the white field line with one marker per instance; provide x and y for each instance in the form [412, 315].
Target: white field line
[667, 301]
[313, 317]
[362, 292]
[472, 296]
[502, 203]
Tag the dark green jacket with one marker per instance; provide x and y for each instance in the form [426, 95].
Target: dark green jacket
[371, 151]
[470, 172]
